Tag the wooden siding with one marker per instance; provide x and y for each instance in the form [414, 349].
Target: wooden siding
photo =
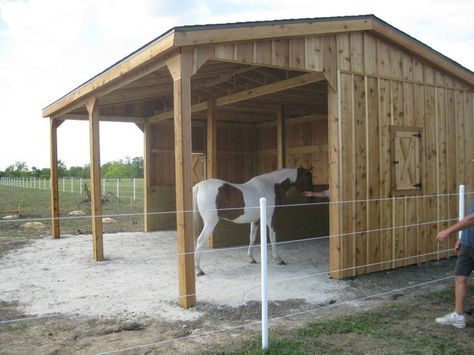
[381, 86]
[306, 144]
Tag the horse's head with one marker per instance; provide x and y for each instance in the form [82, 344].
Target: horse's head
[304, 181]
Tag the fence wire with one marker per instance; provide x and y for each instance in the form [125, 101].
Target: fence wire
[283, 280]
[273, 319]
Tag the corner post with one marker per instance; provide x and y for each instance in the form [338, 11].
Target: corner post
[146, 174]
[96, 203]
[55, 229]
[180, 68]
[334, 133]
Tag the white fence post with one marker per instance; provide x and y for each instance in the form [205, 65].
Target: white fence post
[461, 205]
[118, 188]
[264, 274]
[134, 189]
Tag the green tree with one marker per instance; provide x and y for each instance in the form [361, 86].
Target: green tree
[137, 164]
[76, 171]
[19, 169]
[35, 172]
[62, 169]
[115, 169]
[45, 173]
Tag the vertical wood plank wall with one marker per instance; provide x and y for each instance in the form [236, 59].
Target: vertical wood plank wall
[306, 144]
[380, 86]
[235, 162]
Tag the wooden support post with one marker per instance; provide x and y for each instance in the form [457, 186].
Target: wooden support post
[280, 124]
[146, 175]
[211, 140]
[96, 203]
[211, 149]
[180, 68]
[55, 230]
[334, 134]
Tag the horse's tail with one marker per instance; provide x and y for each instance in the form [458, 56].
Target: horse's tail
[197, 219]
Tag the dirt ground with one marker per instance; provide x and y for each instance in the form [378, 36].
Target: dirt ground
[123, 305]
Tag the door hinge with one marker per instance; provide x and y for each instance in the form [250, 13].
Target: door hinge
[417, 135]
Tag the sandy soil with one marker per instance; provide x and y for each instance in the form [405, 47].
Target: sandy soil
[131, 297]
[139, 277]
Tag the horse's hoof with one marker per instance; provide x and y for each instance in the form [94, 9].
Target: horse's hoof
[252, 261]
[200, 273]
[281, 262]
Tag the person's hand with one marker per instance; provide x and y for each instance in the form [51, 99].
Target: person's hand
[457, 246]
[308, 194]
[442, 235]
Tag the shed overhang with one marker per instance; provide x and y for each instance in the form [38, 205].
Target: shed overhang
[152, 57]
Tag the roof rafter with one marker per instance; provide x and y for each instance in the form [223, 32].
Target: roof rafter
[250, 94]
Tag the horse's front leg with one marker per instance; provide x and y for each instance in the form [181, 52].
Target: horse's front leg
[275, 255]
[253, 236]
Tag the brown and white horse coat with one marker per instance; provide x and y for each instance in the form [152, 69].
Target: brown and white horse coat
[216, 199]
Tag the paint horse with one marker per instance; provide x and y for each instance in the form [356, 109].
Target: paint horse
[216, 199]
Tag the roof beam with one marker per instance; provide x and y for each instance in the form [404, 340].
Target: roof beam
[271, 88]
[250, 94]
[202, 106]
[109, 118]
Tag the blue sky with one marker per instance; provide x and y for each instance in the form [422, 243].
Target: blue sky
[48, 47]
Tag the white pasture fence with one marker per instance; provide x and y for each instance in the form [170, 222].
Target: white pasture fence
[126, 188]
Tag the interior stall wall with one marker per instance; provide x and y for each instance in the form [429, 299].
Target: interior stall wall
[162, 197]
[236, 162]
[306, 141]
[235, 151]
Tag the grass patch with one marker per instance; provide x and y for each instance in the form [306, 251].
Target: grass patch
[403, 326]
[36, 205]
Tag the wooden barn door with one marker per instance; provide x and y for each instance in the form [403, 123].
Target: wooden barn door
[406, 143]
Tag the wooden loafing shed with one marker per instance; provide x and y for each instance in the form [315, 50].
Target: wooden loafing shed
[386, 122]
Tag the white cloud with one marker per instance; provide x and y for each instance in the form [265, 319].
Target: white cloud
[49, 47]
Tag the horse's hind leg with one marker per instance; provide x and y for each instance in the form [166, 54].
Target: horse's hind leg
[202, 243]
[253, 236]
[275, 255]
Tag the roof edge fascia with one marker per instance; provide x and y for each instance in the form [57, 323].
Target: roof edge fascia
[421, 50]
[246, 31]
